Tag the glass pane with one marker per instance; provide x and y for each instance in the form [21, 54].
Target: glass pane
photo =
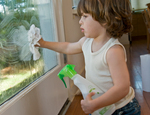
[75, 4]
[17, 68]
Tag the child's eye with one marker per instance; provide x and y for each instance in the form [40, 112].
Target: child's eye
[84, 16]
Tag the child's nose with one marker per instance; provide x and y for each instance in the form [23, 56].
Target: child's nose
[80, 21]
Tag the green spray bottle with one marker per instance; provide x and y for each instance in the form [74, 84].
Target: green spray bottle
[85, 87]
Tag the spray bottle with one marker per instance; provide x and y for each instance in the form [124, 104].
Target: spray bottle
[85, 87]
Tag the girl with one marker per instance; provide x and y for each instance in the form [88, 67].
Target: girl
[102, 22]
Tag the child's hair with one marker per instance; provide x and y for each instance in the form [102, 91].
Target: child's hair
[114, 14]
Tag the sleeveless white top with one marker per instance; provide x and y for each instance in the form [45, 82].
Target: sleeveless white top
[97, 70]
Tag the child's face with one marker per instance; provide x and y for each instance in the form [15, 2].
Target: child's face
[90, 27]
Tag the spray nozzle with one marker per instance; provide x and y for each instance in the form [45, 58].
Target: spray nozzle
[67, 71]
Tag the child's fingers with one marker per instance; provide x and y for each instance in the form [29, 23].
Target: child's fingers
[89, 96]
[82, 101]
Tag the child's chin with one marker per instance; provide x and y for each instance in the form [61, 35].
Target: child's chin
[87, 36]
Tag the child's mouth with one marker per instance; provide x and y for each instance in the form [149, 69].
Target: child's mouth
[82, 30]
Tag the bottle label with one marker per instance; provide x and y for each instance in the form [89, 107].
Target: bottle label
[98, 93]
[93, 89]
[104, 110]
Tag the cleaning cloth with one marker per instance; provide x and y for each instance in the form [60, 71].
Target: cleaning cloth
[33, 38]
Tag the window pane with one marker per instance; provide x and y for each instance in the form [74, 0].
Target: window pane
[75, 3]
[17, 68]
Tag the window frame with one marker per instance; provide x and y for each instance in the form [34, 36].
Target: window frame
[59, 31]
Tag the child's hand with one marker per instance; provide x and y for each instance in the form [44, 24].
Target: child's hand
[41, 42]
[87, 105]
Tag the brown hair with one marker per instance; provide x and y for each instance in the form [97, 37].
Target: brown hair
[115, 14]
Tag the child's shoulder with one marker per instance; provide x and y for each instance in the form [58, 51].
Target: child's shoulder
[116, 52]
[82, 40]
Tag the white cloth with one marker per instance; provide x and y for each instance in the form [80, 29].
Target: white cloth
[97, 70]
[33, 38]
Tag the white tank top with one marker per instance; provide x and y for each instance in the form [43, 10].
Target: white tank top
[97, 70]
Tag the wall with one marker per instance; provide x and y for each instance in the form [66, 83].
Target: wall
[124, 39]
[72, 34]
[139, 4]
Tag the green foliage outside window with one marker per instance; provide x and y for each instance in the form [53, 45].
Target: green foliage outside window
[17, 69]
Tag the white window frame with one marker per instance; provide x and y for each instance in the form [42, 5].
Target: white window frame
[59, 32]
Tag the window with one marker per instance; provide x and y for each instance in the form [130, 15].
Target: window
[17, 68]
[75, 4]
[139, 4]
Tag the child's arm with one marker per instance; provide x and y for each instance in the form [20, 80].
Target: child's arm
[120, 75]
[63, 47]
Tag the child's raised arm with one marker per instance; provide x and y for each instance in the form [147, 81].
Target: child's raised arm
[63, 47]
